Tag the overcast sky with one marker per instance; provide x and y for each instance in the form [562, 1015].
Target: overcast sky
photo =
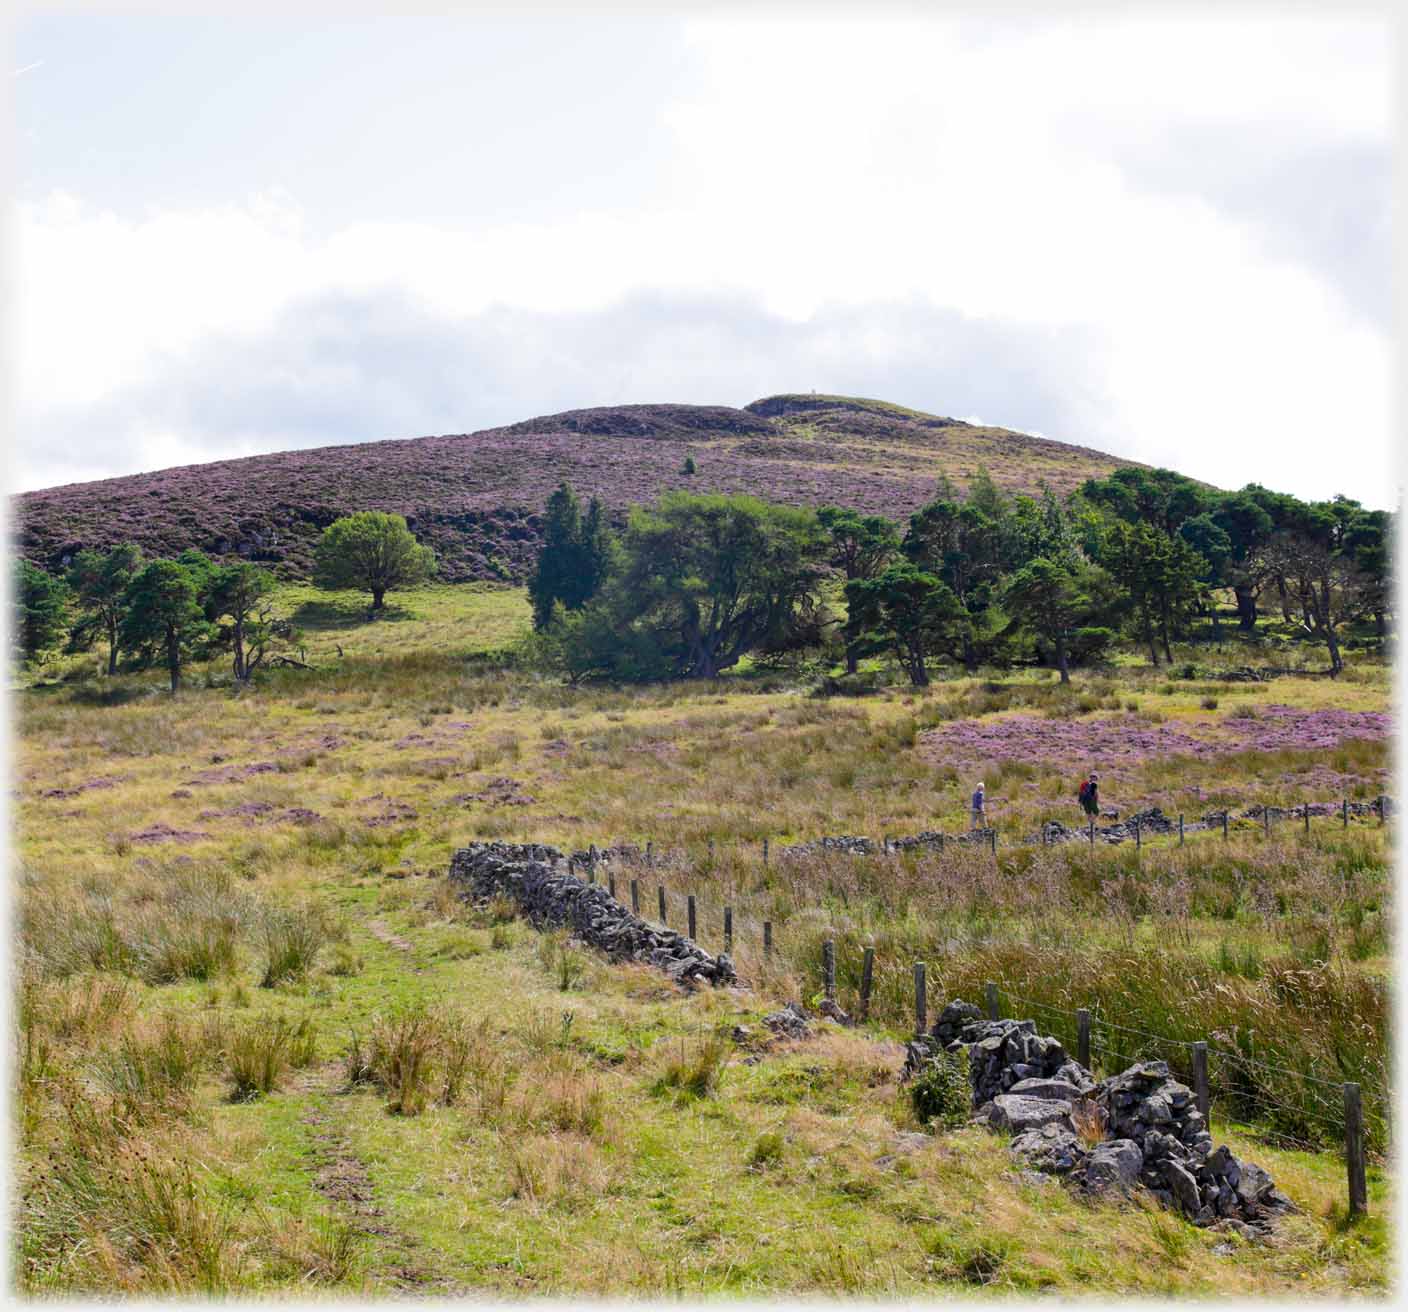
[1164, 237]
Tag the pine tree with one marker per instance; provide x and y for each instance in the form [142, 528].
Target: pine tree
[42, 604]
[574, 559]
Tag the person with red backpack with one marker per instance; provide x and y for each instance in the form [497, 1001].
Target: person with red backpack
[1089, 795]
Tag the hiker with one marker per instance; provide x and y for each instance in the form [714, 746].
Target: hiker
[1090, 795]
[980, 819]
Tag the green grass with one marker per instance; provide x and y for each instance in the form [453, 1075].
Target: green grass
[566, 1127]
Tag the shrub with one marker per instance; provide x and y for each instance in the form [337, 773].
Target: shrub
[259, 1054]
[150, 1075]
[696, 1069]
[940, 1093]
[766, 1152]
[292, 941]
[1208, 703]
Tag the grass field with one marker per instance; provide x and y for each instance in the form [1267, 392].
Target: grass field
[237, 950]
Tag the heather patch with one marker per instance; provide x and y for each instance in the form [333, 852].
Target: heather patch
[103, 781]
[242, 811]
[498, 792]
[164, 833]
[474, 497]
[1128, 740]
[231, 773]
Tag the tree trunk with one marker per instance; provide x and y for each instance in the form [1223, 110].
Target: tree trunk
[1216, 623]
[1380, 624]
[970, 657]
[241, 673]
[1149, 640]
[1061, 658]
[1246, 608]
[918, 674]
[173, 659]
[378, 598]
[1333, 643]
[112, 646]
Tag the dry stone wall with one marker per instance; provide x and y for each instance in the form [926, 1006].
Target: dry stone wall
[536, 877]
[1153, 1135]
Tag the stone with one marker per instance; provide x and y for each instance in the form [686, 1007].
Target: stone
[1055, 1090]
[1114, 1164]
[1051, 1148]
[1254, 1184]
[1183, 1186]
[789, 1023]
[1015, 1113]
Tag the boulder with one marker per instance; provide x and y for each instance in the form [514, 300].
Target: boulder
[1183, 1186]
[1054, 1090]
[1014, 1113]
[1051, 1148]
[1114, 1164]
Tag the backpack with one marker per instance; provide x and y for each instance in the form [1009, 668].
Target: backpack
[1084, 790]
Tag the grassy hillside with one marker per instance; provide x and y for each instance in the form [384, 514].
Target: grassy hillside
[476, 498]
[586, 1127]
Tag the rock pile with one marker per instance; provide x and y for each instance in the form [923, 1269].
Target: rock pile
[1140, 1127]
[535, 877]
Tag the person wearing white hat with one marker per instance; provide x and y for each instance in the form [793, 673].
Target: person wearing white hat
[979, 819]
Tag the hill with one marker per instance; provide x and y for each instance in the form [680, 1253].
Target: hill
[476, 497]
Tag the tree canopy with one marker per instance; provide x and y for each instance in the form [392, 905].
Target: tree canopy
[370, 551]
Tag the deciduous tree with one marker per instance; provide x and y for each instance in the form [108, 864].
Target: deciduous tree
[371, 551]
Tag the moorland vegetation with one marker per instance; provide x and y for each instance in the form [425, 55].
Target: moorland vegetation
[262, 1046]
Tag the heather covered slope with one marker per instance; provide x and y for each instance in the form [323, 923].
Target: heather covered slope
[476, 498]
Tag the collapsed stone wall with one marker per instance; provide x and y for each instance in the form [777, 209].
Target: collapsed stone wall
[536, 877]
[1147, 822]
[1140, 1127]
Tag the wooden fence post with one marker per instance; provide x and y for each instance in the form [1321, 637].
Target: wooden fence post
[828, 969]
[635, 897]
[1224, 824]
[1266, 820]
[1200, 1078]
[650, 851]
[611, 883]
[689, 907]
[728, 930]
[992, 836]
[711, 851]
[1092, 831]
[1383, 809]
[992, 1000]
[1180, 830]
[1138, 834]
[867, 978]
[1344, 812]
[765, 853]
[1305, 810]
[921, 1000]
[1083, 1037]
[1354, 1150]
[661, 891]
[767, 938]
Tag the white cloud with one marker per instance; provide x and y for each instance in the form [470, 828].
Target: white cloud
[818, 175]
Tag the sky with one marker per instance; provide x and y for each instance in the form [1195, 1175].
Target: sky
[1164, 236]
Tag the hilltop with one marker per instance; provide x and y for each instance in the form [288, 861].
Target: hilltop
[476, 497]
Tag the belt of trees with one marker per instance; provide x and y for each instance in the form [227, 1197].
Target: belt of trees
[168, 612]
[696, 582]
